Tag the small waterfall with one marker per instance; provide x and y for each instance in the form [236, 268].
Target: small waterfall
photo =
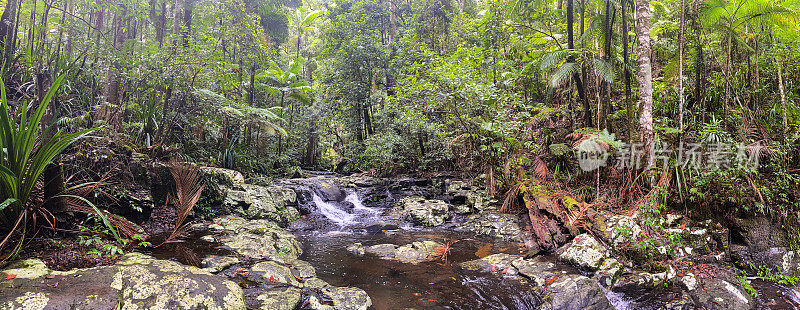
[332, 212]
[358, 205]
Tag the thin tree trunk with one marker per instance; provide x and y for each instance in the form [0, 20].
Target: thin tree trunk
[626, 75]
[783, 96]
[646, 136]
[587, 116]
[727, 81]
[8, 23]
[680, 69]
[187, 21]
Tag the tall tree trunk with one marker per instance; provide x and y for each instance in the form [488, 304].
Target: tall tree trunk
[699, 62]
[728, 77]
[680, 69]
[605, 102]
[158, 16]
[112, 90]
[646, 136]
[176, 22]
[8, 26]
[627, 75]
[187, 21]
[587, 116]
[784, 119]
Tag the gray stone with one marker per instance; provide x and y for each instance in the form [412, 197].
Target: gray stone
[256, 238]
[494, 224]
[280, 298]
[137, 281]
[422, 211]
[572, 291]
[223, 176]
[585, 252]
[341, 298]
[215, 264]
[413, 253]
[272, 272]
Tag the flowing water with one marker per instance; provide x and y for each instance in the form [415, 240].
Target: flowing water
[438, 284]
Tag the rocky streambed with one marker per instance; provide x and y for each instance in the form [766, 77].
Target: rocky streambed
[329, 242]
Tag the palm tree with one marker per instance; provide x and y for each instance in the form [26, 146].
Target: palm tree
[287, 83]
[733, 17]
[302, 20]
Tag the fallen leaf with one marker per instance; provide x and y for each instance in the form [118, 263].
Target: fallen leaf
[50, 276]
[550, 281]
[11, 276]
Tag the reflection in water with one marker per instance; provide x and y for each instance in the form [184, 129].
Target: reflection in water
[395, 285]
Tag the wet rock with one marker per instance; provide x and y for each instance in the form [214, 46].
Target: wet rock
[377, 227]
[422, 211]
[558, 288]
[494, 262]
[413, 253]
[759, 234]
[693, 242]
[632, 280]
[256, 238]
[585, 252]
[574, 291]
[340, 298]
[215, 263]
[466, 198]
[226, 177]
[275, 203]
[417, 252]
[361, 181]
[273, 272]
[537, 270]
[137, 281]
[504, 226]
[777, 258]
[722, 291]
[621, 229]
[328, 191]
[280, 298]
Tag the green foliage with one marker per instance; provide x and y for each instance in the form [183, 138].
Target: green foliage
[29, 147]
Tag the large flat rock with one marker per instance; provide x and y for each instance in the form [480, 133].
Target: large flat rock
[137, 281]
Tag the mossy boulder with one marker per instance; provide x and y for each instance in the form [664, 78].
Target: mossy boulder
[339, 298]
[274, 203]
[255, 238]
[422, 211]
[137, 281]
[494, 224]
[412, 253]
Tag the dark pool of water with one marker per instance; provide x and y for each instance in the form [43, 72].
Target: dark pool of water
[429, 285]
